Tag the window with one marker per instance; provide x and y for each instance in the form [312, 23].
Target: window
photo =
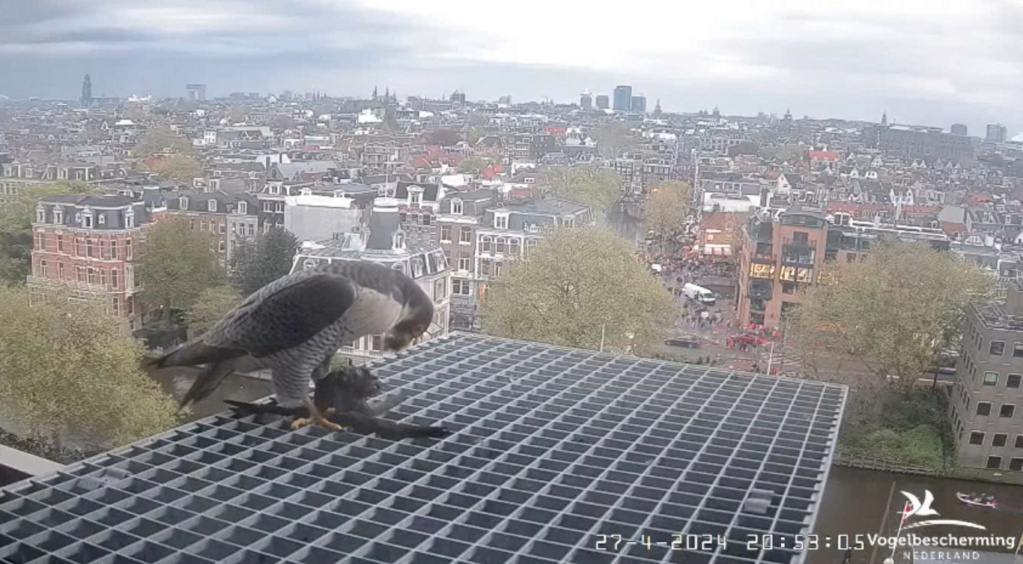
[997, 348]
[60, 243]
[440, 288]
[1017, 350]
[377, 343]
[211, 205]
[113, 279]
[426, 219]
[102, 219]
[513, 247]
[999, 439]
[445, 233]
[1012, 381]
[220, 245]
[415, 197]
[800, 237]
[976, 438]
[1016, 464]
[60, 271]
[40, 242]
[129, 219]
[990, 378]
[92, 275]
[983, 408]
[183, 203]
[994, 462]
[499, 245]
[485, 244]
[1019, 441]
[90, 250]
[1006, 410]
[465, 235]
[464, 261]
[243, 207]
[87, 220]
[222, 227]
[461, 288]
[40, 215]
[501, 221]
[498, 269]
[456, 207]
[127, 249]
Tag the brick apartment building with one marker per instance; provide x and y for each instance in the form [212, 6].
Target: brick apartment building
[229, 218]
[986, 403]
[458, 218]
[86, 246]
[782, 251]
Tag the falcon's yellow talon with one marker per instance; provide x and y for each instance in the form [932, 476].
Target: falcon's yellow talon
[301, 422]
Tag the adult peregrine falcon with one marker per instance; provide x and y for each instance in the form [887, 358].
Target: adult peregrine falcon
[297, 323]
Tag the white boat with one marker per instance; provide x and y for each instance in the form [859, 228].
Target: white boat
[968, 499]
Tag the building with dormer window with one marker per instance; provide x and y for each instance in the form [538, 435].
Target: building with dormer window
[86, 246]
[381, 239]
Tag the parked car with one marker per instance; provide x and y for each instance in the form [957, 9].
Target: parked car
[684, 342]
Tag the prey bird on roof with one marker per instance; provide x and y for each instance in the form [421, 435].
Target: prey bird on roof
[297, 323]
[342, 396]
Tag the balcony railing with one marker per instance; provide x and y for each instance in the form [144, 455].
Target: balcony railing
[807, 244]
[769, 258]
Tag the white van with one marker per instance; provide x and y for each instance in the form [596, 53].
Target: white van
[699, 293]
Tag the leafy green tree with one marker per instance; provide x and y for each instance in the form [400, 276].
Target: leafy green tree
[271, 257]
[177, 265]
[473, 165]
[579, 287]
[594, 186]
[16, 218]
[179, 168]
[162, 140]
[68, 372]
[665, 209]
[896, 309]
[613, 140]
[212, 304]
[444, 137]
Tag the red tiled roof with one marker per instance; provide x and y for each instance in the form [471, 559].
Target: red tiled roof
[822, 155]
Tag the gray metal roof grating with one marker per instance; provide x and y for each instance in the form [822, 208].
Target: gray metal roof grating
[553, 448]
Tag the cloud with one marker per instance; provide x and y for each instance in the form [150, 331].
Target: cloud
[926, 62]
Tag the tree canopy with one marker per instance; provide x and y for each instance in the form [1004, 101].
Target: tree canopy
[162, 140]
[269, 258]
[16, 219]
[665, 209]
[444, 137]
[613, 140]
[67, 372]
[473, 165]
[212, 304]
[576, 284]
[179, 168]
[177, 265]
[896, 309]
[593, 186]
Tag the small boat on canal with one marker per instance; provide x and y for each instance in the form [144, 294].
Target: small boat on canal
[974, 500]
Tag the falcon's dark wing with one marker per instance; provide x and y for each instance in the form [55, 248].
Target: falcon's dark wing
[281, 315]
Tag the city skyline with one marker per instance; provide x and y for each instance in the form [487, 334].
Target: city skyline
[914, 60]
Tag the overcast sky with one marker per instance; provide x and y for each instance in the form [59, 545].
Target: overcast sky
[924, 62]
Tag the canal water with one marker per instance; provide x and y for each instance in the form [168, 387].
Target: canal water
[855, 503]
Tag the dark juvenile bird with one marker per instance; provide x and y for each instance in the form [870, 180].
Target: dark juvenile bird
[342, 396]
[295, 324]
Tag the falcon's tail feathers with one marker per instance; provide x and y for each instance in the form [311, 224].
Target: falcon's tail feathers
[192, 353]
[367, 425]
[209, 379]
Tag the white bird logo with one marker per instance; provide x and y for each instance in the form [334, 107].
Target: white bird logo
[915, 508]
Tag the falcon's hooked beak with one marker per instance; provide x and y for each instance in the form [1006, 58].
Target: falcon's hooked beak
[416, 319]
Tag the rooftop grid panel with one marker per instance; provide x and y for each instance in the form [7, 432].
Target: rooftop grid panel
[557, 452]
